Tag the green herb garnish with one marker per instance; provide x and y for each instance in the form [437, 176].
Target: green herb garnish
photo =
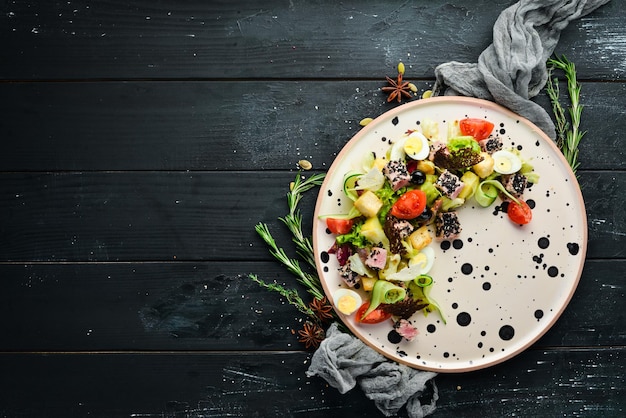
[568, 131]
[293, 220]
[310, 281]
[291, 295]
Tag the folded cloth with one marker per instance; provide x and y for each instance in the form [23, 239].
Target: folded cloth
[343, 361]
[391, 385]
[512, 69]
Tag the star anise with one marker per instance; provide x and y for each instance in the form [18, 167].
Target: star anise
[322, 309]
[397, 89]
[311, 335]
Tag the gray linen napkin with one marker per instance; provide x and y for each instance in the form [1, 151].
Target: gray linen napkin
[510, 72]
[512, 69]
[343, 361]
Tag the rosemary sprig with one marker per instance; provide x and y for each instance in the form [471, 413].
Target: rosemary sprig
[569, 133]
[311, 282]
[561, 123]
[291, 295]
[293, 220]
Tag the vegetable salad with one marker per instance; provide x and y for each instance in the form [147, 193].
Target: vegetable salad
[404, 201]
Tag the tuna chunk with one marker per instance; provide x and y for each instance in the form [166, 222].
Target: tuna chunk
[396, 230]
[377, 258]
[438, 147]
[397, 174]
[349, 277]
[406, 329]
[449, 184]
[447, 226]
[515, 184]
[491, 144]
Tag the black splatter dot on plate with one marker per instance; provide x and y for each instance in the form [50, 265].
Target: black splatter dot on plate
[395, 120]
[553, 271]
[463, 319]
[325, 257]
[486, 286]
[573, 248]
[543, 243]
[467, 268]
[538, 314]
[445, 245]
[394, 337]
[431, 328]
[506, 332]
[457, 244]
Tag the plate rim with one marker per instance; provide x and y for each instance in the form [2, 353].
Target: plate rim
[470, 101]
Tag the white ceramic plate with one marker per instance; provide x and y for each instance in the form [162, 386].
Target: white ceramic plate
[500, 286]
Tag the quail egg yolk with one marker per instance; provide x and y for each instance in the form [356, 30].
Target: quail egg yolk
[347, 304]
[347, 301]
[416, 146]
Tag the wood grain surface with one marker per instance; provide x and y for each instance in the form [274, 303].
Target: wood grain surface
[144, 140]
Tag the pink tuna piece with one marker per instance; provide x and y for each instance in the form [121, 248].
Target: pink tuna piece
[397, 174]
[447, 226]
[491, 144]
[348, 276]
[449, 184]
[438, 146]
[377, 259]
[406, 330]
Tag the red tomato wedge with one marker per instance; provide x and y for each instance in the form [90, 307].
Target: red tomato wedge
[519, 213]
[339, 226]
[478, 128]
[374, 317]
[410, 205]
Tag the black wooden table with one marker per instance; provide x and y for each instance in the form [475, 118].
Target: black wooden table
[142, 142]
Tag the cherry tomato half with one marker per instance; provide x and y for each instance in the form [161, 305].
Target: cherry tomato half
[374, 317]
[519, 213]
[410, 205]
[478, 128]
[339, 226]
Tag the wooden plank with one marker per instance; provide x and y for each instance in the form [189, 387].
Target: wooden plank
[538, 383]
[145, 306]
[82, 40]
[160, 216]
[215, 306]
[227, 125]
